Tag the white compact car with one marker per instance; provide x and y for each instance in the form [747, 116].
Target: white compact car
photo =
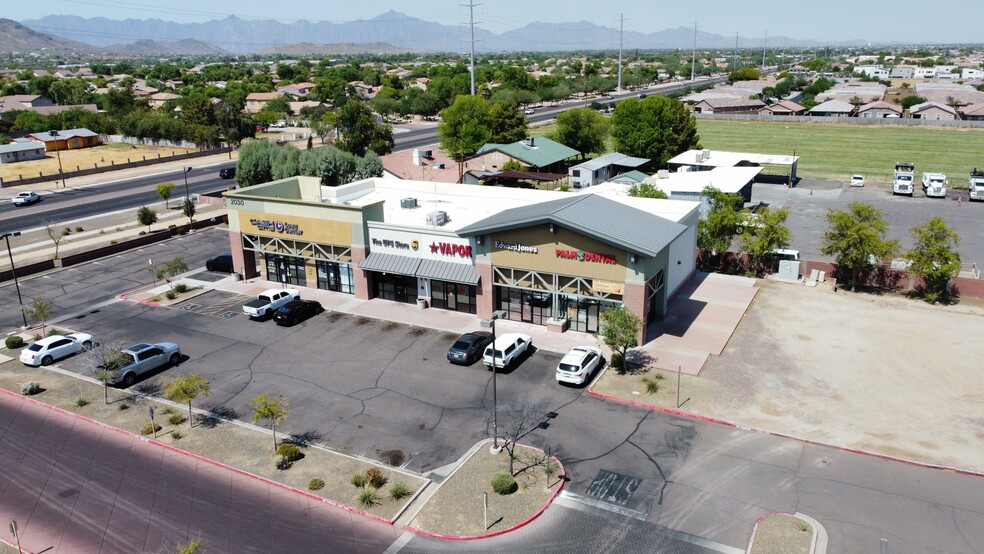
[857, 180]
[579, 365]
[53, 348]
[530, 111]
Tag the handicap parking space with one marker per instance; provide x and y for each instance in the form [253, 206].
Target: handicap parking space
[216, 303]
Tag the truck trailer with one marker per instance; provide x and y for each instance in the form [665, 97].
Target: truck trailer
[905, 175]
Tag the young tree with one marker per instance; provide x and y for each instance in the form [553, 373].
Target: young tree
[934, 258]
[361, 133]
[507, 123]
[582, 129]
[514, 422]
[169, 269]
[185, 389]
[40, 309]
[146, 216]
[620, 330]
[768, 233]
[188, 209]
[656, 128]
[105, 362]
[646, 190]
[274, 410]
[55, 234]
[337, 168]
[718, 229]
[464, 126]
[164, 191]
[856, 239]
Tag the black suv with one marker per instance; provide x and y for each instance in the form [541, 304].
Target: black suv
[227, 172]
[221, 263]
[469, 348]
[297, 310]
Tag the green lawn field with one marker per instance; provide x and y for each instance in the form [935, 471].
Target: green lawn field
[835, 151]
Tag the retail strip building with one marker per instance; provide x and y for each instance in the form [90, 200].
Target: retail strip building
[549, 258]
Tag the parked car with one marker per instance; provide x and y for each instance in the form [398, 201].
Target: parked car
[506, 350]
[25, 198]
[279, 124]
[269, 301]
[53, 348]
[469, 348]
[227, 172]
[222, 262]
[144, 357]
[857, 180]
[297, 310]
[530, 111]
[578, 365]
[641, 95]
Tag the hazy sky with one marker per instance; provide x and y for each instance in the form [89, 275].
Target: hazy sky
[910, 21]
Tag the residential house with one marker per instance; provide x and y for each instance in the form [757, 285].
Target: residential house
[22, 150]
[783, 107]
[934, 111]
[866, 91]
[924, 73]
[973, 112]
[728, 105]
[971, 73]
[363, 89]
[256, 101]
[297, 90]
[602, 168]
[296, 107]
[903, 72]
[832, 108]
[421, 164]
[158, 99]
[420, 82]
[874, 71]
[67, 139]
[879, 109]
[533, 153]
[629, 178]
[15, 102]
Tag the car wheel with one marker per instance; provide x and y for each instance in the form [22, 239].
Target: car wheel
[174, 359]
[128, 379]
[46, 360]
[87, 345]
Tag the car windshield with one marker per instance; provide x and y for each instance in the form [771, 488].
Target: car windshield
[461, 345]
[34, 347]
[569, 368]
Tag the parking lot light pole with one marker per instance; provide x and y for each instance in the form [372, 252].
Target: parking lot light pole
[188, 197]
[13, 271]
[498, 314]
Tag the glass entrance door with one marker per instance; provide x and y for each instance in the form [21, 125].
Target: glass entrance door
[285, 269]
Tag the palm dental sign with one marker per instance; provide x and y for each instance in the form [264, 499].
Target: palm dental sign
[583, 256]
[275, 226]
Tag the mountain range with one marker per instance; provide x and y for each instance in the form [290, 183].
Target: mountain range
[404, 33]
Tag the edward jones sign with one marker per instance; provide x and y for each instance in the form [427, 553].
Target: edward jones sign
[583, 256]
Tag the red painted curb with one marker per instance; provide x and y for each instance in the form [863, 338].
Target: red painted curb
[14, 546]
[203, 459]
[527, 521]
[969, 472]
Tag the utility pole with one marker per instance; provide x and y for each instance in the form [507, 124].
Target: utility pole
[471, 24]
[621, 29]
[693, 55]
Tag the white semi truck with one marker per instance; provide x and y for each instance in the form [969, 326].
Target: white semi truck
[977, 184]
[934, 184]
[905, 176]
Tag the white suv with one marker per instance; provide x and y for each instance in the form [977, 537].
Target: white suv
[579, 365]
[506, 350]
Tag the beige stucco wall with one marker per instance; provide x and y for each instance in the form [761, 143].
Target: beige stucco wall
[546, 259]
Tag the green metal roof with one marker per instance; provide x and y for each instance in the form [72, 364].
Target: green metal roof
[534, 151]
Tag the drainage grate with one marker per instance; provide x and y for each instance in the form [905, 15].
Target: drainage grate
[613, 488]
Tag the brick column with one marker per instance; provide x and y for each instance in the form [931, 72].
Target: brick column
[484, 295]
[242, 259]
[634, 299]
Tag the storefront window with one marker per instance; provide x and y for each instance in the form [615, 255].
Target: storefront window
[285, 269]
[524, 305]
[398, 288]
[453, 296]
[335, 276]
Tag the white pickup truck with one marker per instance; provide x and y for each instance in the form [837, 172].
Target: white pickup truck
[269, 301]
[506, 350]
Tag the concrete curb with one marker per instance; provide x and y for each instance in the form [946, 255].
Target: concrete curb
[200, 458]
[562, 476]
[961, 471]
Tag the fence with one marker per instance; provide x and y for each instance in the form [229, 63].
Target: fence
[898, 121]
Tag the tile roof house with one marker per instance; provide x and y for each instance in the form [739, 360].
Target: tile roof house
[877, 110]
[932, 110]
[783, 107]
[255, 101]
[728, 105]
[538, 153]
[67, 139]
[428, 163]
[23, 102]
[296, 90]
[159, 98]
[973, 112]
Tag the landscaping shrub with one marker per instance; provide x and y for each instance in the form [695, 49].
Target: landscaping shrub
[13, 341]
[504, 483]
[141, 233]
[616, 361]
[652, 383]
[180, 288]
[167, 410]
[176, 419]
[399, 491]
[66, 231]
[316, 484]
[281, 462]
[359, 480]
[30, 387]
[55, 331]
[112, 241]
[79, 229]
[123, 406]
[290, 451]
[170, 295]
[176, 434]
[375, 477]
[368, 497]
[149, 428]
[81, 401]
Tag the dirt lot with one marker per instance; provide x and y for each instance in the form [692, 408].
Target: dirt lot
[86, 158]
[884, 374]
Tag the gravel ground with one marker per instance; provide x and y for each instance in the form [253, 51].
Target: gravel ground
[782, 534]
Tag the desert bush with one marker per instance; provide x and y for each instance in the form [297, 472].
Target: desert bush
[176, 419]
[504, 483]
[616, 361]
[290, 451]
[13, 341]
[399, 491]
[66, 231]
[167, 410]
[123, 406]
[180, 287]
[142, 233]
[368, 497]
[316, 484]
[30, 387]
[55, 331]
[114, 241]
[81, 401]
[176, 434]
[149, 428]
[79, 229]
[652, 383]
[281, 462]
[170, 295]
[375, 477]
[359, 480]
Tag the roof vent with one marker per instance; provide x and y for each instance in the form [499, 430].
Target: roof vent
[530, 142]
[437, 218]
[438, 165]
[408, 203]
[705, 154]
[426, 154]
[663, 174]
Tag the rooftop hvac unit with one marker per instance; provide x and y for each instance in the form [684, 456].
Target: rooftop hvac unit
[699, 157]
[408, 203]
[663, 174]
[705, 154]
[416, 157]
[439, 165]
[426, 154]
[437, 218]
